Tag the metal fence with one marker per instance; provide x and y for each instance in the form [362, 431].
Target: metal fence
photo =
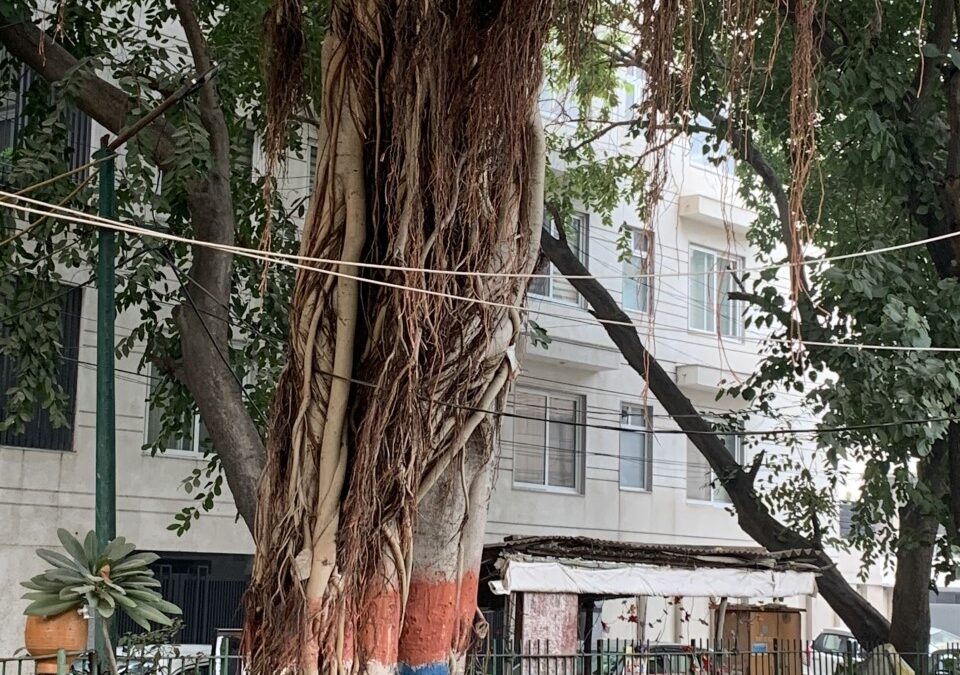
[86, 663]
[601, 657]
[630, 657]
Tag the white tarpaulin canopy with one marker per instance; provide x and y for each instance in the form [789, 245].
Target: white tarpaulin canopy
[555, 576]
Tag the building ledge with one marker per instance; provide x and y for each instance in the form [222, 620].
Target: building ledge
[705, 378]
[710, 211]
[572, 354]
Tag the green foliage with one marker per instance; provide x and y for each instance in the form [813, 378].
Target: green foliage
[876, 181]
[139, 47]
[102, 580]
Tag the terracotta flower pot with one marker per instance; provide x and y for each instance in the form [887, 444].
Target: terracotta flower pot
[43, 636]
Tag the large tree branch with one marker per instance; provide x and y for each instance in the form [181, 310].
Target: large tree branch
[206, 344]
[102, 101]
[863, 619]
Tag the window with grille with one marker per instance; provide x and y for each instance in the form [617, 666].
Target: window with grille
[40, 432]
[702, 482]
[845, 517]
[192, 437]
[637, 268]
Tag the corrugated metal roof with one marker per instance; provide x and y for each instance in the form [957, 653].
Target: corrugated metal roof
[674, 555]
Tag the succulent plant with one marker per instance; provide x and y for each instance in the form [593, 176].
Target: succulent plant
[100, 580]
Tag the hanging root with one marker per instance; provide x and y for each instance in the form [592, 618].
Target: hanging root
[431, 155]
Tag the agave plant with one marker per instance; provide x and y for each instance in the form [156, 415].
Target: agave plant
[100, 580]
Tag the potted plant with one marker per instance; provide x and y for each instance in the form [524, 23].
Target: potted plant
[87, 581]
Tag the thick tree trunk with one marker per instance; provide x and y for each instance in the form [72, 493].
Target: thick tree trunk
[910, 617]
[431, 157]
[447, 545]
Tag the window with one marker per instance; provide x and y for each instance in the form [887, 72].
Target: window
[547, 443]
[711, 280]
[555, 286]
[845, 518]
[636, 461]
[39, 432]
[702, 482]
[13, 120]
[637, 268]
[192, 437]
[311, 166]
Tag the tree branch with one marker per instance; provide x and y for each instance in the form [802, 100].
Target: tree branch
[207, 370]
[863, 619]
[102, 101]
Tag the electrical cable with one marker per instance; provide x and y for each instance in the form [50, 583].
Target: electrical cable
[80, 217]
[277, 256]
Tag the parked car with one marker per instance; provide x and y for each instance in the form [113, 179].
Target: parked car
[655, 659]
[835, 647]
[831, 648]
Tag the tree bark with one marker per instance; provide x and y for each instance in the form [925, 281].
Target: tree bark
[447, 545]
[430, 156]
[866, 623]
[910, 618]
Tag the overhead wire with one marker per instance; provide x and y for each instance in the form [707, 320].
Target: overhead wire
[277, 256]
[761, 433]
[80, 217]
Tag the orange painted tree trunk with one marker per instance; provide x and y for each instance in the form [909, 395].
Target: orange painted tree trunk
[431, 157]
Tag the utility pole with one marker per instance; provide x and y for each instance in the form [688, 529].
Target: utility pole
[105, 514]
[106, 499]
[106, 486]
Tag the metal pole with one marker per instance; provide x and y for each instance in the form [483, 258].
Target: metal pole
[106, 485]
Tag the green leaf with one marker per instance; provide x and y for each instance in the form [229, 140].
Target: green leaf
[135, 561]
[930, 50]
[90, 546]
[154, 615]
[51, 608]
[954, 57]
[73, 547]
[59, 560]
[138, 618]
[118, 549]
[42, 595]
[67, 576]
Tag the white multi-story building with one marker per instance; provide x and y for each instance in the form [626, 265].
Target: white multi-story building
[588, 452]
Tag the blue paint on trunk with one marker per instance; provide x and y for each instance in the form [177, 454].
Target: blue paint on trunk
[438, 668]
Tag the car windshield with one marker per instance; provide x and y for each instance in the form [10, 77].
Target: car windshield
[831, 642]
[941, 639]
[668, 664]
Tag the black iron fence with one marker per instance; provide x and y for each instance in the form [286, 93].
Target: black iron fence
[762, 657]
[601, 657]
[86, 663]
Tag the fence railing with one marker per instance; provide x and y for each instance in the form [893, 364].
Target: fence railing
[601, 657]
[87, 663]
[763, 657]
